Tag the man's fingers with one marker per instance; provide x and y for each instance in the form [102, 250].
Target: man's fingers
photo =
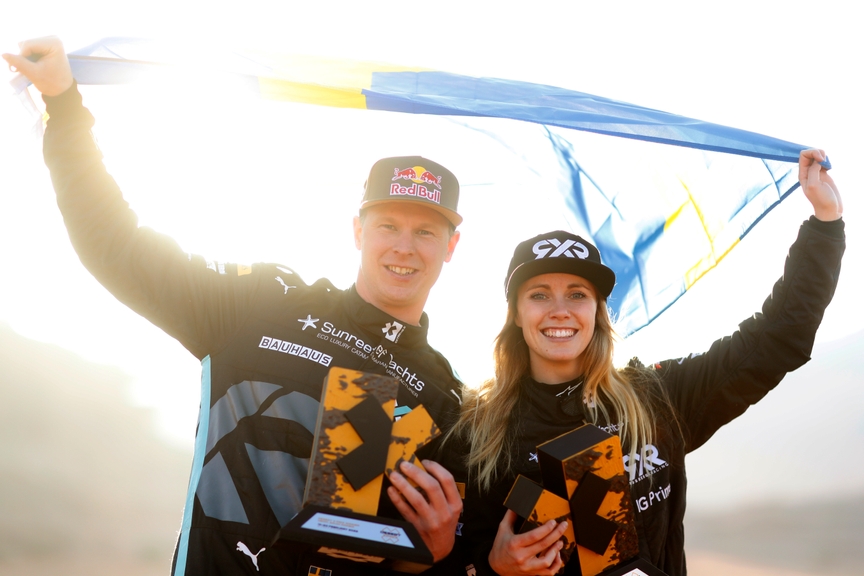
[439, 472]
[16, 63]
[446, 481]
[428, 484]
[40, 46]
[401, 505]
[409, 497]
[440, 490]
[44, 63]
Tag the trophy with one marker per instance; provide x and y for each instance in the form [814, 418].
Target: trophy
[356, 443]
[584, 483]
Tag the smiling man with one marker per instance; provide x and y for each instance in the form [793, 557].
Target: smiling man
[266, 339]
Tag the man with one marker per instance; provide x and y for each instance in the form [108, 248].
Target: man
[266, 339]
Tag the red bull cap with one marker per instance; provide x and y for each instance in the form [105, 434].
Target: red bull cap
[413, 179]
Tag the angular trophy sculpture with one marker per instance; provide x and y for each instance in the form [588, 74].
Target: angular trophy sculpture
[584, 483]
[356, 443]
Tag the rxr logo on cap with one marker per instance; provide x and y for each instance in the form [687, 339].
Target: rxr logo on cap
[568, 248]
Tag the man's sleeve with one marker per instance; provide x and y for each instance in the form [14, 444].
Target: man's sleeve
[711, 389]
[147, 271]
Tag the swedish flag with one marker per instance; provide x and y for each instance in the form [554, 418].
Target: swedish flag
[662, 216]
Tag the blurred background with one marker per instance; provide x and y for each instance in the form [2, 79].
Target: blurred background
[95, 442]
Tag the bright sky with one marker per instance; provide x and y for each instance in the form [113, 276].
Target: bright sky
[234, 179]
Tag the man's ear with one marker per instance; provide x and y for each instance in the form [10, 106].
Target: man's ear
[451, 245]
[358, 232]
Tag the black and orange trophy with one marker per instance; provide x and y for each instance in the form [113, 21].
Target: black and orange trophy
[584, 483]
[356, 443]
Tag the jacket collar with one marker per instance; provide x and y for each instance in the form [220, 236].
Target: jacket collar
[383, 325]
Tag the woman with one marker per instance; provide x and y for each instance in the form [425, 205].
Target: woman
[554, 372]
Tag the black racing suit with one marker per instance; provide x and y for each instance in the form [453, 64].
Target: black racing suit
[705, 390]
[266, 341]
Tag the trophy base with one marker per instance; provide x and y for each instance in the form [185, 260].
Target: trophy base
[386, 542]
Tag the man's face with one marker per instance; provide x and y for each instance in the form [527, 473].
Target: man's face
[403, 247]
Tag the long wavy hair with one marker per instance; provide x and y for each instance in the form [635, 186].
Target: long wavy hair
[488, 417]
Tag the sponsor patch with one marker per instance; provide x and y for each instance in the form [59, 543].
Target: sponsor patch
[308, 321]
[417, 190]
[293, 349]
[568, 248]
[392, 330]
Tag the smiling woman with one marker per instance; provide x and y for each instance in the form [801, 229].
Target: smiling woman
[556, 314]
[554, 373]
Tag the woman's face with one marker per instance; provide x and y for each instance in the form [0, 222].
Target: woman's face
[556, 313]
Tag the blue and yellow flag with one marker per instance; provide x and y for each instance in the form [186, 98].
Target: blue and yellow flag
[664, 200]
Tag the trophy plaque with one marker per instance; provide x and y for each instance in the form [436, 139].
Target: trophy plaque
[356, 443]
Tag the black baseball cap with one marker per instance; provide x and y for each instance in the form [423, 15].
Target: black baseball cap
[413, 179]
[558, 251]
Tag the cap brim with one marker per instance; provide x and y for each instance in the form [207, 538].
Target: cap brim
[601, 276]
[450, 215]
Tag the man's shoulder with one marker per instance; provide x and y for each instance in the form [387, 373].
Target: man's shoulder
[281, 279]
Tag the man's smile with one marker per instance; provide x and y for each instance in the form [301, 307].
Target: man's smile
[401, 270]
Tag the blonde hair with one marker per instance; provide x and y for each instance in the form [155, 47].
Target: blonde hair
[487, 420]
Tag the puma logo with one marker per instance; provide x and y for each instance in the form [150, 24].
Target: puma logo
[243, 548]
[282, 282]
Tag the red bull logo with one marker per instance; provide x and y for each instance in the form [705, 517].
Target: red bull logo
[417, 190]
[406, 174]
[429, 178]
[425, 177]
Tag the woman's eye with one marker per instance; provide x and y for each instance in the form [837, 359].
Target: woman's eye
[538, 296]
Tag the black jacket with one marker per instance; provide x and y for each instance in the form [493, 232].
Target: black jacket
[266, 341]
[705, 390]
